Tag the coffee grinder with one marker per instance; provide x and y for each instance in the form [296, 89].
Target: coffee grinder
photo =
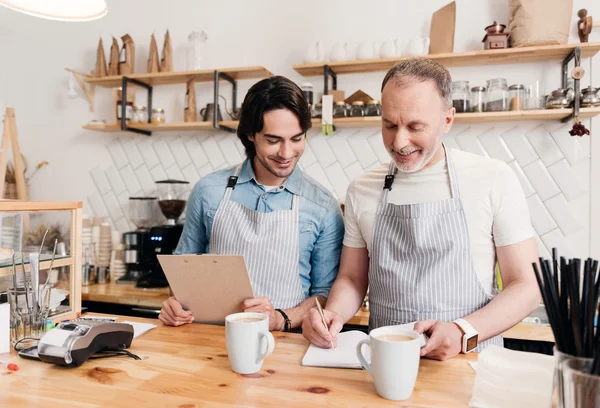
[137, 255]
[163, 239]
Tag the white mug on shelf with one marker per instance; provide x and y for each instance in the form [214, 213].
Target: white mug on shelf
[339, 52]
[366, 51]
[389, 49]
[314, 53]
[395, 358]
[418, 46]
[249, 341]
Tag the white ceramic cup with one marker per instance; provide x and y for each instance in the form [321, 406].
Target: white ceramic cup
[248, 342]
[394, 364]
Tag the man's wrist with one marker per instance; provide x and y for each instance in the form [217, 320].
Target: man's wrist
[281, 320]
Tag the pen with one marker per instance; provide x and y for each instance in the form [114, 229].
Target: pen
[323, 318]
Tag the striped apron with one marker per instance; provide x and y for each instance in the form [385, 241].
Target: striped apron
[421, 265]
[268, 242]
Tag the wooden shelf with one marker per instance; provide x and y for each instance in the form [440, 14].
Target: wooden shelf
[7, 270]
[471, 58]
[106, 128]
[367, 121]
[169, 78]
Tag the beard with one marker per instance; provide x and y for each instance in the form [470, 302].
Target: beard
[411, 159]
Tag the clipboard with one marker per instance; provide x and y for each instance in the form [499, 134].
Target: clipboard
[210, 286]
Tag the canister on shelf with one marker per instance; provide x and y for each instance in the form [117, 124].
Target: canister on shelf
[357, 109]
[517, 97]
[340, 110]
[478, 98]
[373, 108]
[461, 98]
[158, 116]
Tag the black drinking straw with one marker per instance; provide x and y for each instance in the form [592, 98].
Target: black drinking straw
[549, 309]
[574, 306]
[584, 306]
[555, 267]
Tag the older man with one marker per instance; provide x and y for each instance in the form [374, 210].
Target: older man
[424, 232]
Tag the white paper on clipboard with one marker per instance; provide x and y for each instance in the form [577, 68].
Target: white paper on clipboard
[210, 286]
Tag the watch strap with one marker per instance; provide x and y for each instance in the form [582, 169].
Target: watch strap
[288, 323]
[468, 333]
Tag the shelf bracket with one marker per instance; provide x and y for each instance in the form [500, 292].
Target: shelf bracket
[218, 76]
[89, 90]
[328, 72]
[124, 84]
[576, 56]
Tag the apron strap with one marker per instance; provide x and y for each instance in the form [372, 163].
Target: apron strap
[232, 182]
[452, 174]
[295, 200]
[389, 181]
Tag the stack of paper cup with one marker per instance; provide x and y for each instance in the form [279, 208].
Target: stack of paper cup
[104, 245]
[118, 269]
[86, 240]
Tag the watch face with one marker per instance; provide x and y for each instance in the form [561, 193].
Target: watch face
[472, 343]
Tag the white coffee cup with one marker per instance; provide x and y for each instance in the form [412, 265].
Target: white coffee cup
[249, 341]
[394, 364]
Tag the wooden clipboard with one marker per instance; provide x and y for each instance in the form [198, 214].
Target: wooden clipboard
[210, 286]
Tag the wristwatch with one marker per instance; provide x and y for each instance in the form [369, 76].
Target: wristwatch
[470, 337]
[288, 323]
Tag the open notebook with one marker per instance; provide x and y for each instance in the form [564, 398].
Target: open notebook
[344, 356]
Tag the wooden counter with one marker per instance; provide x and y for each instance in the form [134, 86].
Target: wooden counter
[188, 367]
[128, 294]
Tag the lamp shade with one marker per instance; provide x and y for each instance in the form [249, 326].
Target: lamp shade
[62, 10]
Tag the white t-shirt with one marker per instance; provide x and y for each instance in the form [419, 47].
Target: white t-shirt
[494, 203]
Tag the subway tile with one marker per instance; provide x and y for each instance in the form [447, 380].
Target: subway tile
[539, 176]
[205, 170]
[469, 142]
[566, 179]
[100, 180]
[115, 180]
[147, 150]
[567, 221]
[308, 157]
[542, 250]
[570, 146]
[541, 219]
[376, 143]
[322, 151]
[230, 152]
[316, 172]
[362, 150]
[450, 141]
[112, 205]
[174, 172]
[145, 179]
[131, 182]
[337, 178]
[164, 153]
[340, 148]
[133, 154]
[495, 146]
[544, 146]
[158, 173]
[117, 154]
[195, 152]
[525, 184]
[191, 174]
[520, 147]
[123, 200]
[353, 171]
[179, 152]
[97, 205]
[213, 152]
[122, 225]
[555, 239]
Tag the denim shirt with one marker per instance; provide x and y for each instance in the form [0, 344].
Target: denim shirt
[321, 226]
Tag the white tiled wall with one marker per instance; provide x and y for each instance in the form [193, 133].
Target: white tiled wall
[552, 166]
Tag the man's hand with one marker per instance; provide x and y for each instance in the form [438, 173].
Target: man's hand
[445, 339]
[172, 314]
[263, 305]
[314, 330]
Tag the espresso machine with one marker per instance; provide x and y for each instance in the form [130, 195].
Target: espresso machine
[137, 243]
[163, 239]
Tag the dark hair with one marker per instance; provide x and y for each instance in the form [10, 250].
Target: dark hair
[269, 94]
[421, 70]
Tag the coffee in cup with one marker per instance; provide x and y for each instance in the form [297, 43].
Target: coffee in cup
[395, 357]
[248, 341]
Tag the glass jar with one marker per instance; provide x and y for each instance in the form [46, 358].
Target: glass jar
[340, 110]
[497, 95]
[196, 51]
[317, 111]
[357, 109]
[461, 96]
[128, 110]
[373, 108]
[307, 90]
[517, 95]
[158, 116]
[140, 114]
[478, 98]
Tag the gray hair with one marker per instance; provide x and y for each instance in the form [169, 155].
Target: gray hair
[422, 70]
